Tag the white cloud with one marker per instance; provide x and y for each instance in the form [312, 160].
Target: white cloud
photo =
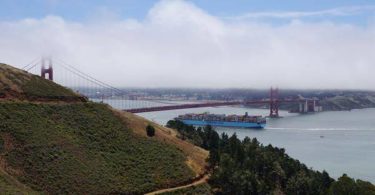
[180, 45]
[340, 11]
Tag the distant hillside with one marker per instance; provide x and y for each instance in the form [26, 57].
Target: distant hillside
[65, 147]
[348, 102]
[340, 103]
[18, 84]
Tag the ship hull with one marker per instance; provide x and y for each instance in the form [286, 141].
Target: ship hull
[225, 124]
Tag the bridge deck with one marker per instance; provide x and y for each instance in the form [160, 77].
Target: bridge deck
[208, 104]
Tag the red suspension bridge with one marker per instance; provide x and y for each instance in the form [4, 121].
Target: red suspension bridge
[96, 90]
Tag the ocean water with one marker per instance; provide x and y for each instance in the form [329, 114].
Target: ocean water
[338, 142]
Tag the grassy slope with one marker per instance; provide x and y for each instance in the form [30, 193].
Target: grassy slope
[17, 84]
[80, 147]
[84, 148]
[196, 156]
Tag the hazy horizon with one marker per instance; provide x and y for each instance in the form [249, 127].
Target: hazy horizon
[243, 88]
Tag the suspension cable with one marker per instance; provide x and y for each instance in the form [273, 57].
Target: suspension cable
[92, 78]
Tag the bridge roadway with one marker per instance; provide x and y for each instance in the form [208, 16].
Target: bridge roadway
[209, 104]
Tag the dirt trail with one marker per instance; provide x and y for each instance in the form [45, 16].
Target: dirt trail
[195, 183]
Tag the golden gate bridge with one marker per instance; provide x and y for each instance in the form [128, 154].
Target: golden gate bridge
[96, 90]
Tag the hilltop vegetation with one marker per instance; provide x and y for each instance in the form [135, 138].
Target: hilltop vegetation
[18, 84]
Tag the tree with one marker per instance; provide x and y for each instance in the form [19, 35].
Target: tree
[344, 185]
[222, 177]
[150, 130]
[298, 184]
[365, 188]
[326, 180]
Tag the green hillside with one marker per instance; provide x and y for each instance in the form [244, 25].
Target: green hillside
[84, 148]
[60, 146]
[348, 102]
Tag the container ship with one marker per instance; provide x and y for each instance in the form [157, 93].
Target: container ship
[221, 120]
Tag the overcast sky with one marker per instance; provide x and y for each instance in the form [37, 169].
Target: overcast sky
[204, 43]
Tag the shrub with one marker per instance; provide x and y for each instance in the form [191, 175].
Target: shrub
[1, 144]
[150, 130]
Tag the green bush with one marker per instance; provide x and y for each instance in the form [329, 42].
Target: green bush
[1, 144]
[348, 186]
[150, 130]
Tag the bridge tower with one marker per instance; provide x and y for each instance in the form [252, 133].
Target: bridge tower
[45, 70]
[274, 102]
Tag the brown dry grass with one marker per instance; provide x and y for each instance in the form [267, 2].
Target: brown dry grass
[16, 84]
[7, 72]
[196, 156]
